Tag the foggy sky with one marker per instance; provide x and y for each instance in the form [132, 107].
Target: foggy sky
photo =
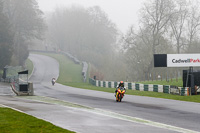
[123, 13]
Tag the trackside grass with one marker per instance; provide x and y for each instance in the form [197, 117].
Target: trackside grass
[173, 82]
[29, 66]
[79, 84]
[12, 121]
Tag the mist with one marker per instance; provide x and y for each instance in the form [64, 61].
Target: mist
[89, 34]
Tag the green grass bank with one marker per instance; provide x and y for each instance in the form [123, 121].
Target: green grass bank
[173, 82]
[29, 66]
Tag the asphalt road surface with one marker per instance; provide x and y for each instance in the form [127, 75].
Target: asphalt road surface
[87, 111]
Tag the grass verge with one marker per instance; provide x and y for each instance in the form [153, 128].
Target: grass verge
[173, 82]
[29, 66]
[12, 121]
[64, 68]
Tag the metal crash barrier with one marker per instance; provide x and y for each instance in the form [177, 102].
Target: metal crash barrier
[21, 86]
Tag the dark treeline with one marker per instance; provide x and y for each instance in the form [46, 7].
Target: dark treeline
[6, 39]
[87, 34]
[20, 22]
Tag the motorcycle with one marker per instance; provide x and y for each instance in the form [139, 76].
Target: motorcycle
[53, 81]
[120, 94]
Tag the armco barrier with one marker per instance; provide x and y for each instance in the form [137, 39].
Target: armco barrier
[166, 89]
[137, 87]
[155, 88]
[183, 91]
[101, 83]
[112, 85]
[109, 85]
[115, 84]
[104, 84]
[129, 86]
[133, 86]
[146, 87]
[140, 87]
[160, 88]
[96, 83]
[150, 87]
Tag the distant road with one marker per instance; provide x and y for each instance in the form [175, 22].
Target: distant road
[45, 68]
[88, 111]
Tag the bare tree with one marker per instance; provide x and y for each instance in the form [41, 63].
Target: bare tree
[178, 21]
[155, 16]
[154, 25]
[193, 21]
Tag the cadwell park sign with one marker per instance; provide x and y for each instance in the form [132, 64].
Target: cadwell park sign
[190, 78]
[176, 60]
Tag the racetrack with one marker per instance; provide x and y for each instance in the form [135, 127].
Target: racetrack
[84, 111]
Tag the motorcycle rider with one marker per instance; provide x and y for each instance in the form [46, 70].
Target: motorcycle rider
[53, 81]
[121, 84]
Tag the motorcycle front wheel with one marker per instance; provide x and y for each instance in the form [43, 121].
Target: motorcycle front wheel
[117, 97]
[120, 98]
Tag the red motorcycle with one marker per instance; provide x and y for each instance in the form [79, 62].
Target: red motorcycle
[120, 94]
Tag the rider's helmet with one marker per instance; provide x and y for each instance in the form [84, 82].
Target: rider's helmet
[122, 83]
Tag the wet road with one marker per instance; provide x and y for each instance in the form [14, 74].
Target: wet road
[91, 111]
